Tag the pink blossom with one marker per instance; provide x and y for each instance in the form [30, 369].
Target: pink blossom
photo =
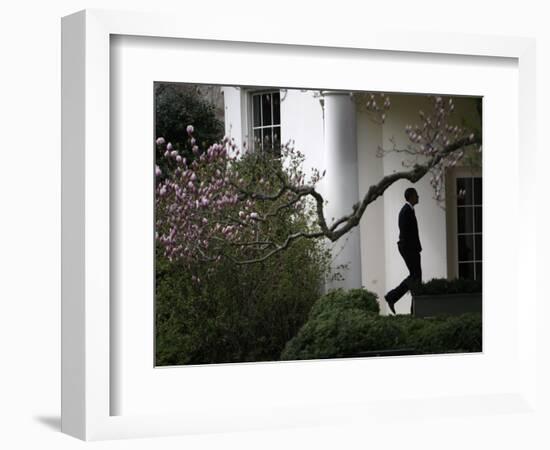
[160, 141]
[169, 146]
[190, 129]
[158, 172]
[195, 213]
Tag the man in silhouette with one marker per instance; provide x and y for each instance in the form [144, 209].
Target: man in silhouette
[409, 247]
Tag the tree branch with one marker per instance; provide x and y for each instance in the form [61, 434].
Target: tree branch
[345, 223]
[279, 248]
[376, 190]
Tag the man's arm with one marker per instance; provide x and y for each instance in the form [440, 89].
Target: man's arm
[408, 229]
[406, 224]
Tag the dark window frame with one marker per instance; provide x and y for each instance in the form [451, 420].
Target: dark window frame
[268, 128]
[474, 203]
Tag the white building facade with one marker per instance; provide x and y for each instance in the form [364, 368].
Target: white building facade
[337, 134]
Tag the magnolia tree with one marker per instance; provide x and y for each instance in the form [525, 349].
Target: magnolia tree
[220, 203]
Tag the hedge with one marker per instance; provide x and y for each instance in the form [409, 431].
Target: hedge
[443, 286]
[339, 299]
[343, 324]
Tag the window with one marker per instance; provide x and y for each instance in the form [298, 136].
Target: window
[266, 120]
[469, 214]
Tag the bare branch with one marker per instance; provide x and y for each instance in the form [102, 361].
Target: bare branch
[415, 174]
[260, 196]
[279, 248]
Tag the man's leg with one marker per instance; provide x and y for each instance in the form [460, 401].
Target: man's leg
[414, 279]
[412, 260]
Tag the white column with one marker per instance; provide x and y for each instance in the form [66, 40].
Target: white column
[341, 183]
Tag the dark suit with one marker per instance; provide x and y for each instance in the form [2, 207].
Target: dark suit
[409, 248]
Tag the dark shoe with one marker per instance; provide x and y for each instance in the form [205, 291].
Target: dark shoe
[390, 304]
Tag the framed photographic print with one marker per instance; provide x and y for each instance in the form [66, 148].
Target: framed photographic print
[264, 231]
[266, 252]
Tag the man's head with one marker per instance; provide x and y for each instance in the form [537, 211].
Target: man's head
[411, 196]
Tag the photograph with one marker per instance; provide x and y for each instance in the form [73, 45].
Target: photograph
[311, 223]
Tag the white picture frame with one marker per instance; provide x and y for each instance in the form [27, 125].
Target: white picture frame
[87, 386]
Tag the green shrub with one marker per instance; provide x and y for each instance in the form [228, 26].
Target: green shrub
[443, 286]
[448, 335]
[236, 313]
[340, 325]
[176, 106]
[338, 299]
[344, 332]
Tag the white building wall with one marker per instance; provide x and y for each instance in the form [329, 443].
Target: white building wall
[372, 229]
[302, 122]
[233, 114]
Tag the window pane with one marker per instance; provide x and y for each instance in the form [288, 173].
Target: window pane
[276, 136]
[266, 109]
[258, 138]
[267, 138]
[466, 248]
[465, 220]
[478, 191]
[256, 111]
[464, 191]
[466, 271]
[479, 270]
[478, 217]
[276, 108]
[479, 247]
